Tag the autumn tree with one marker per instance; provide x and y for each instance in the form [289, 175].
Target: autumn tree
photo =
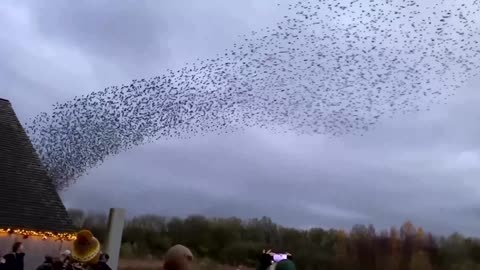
[393, 260]
[420, 261]
[382, 250]
[408, 234]
[342, 259]
[407, 230]
[419, 242]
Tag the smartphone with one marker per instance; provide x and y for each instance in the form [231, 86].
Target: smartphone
[279, 256]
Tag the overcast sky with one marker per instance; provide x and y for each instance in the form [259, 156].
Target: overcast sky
[424, 167]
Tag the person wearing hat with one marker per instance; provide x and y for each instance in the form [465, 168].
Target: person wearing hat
[178, 257]
[285, 264]
[85, 252]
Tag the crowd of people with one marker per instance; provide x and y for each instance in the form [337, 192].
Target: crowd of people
[86, 254]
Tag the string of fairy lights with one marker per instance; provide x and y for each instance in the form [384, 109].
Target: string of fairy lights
[43, 234]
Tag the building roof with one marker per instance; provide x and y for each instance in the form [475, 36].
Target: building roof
[28, 198]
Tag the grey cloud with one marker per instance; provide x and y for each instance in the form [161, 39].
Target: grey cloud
[127, 33]
[139, 38]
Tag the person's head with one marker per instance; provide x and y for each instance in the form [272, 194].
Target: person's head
[178, 257]
[17, 247]
[86, 248]
[65, 254]
[48, 259]
[104, 257]
[284, 265]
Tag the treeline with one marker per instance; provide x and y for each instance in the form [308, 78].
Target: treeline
[234, 241]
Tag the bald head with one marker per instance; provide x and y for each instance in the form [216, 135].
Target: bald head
[178, 257]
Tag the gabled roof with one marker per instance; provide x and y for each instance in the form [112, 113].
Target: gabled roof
[28, 198]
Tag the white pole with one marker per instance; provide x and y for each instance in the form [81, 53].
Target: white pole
[116, 221]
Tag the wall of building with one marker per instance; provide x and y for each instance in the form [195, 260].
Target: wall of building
[35, 248]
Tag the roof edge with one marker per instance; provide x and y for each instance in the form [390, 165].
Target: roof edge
[34, 174]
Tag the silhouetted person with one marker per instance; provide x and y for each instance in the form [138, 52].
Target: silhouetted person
[65, 258]
[14, 260]
[47, 264]
[264, 260]
[102, 262]
[2, 263]
[57, 265]
[285, 264]
[268, 261]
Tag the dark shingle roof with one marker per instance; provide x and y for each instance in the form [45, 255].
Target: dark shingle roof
[28, 198]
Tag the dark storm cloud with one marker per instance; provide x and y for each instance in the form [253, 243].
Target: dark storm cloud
[409, 167]
[127, 33]
[141, 37]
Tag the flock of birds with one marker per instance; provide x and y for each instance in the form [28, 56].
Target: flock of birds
[328, 67]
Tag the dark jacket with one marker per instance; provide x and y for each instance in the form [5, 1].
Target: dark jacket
[264, 261]
[45, 266]
[285, 265]
[58, 265]
[14, 261]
